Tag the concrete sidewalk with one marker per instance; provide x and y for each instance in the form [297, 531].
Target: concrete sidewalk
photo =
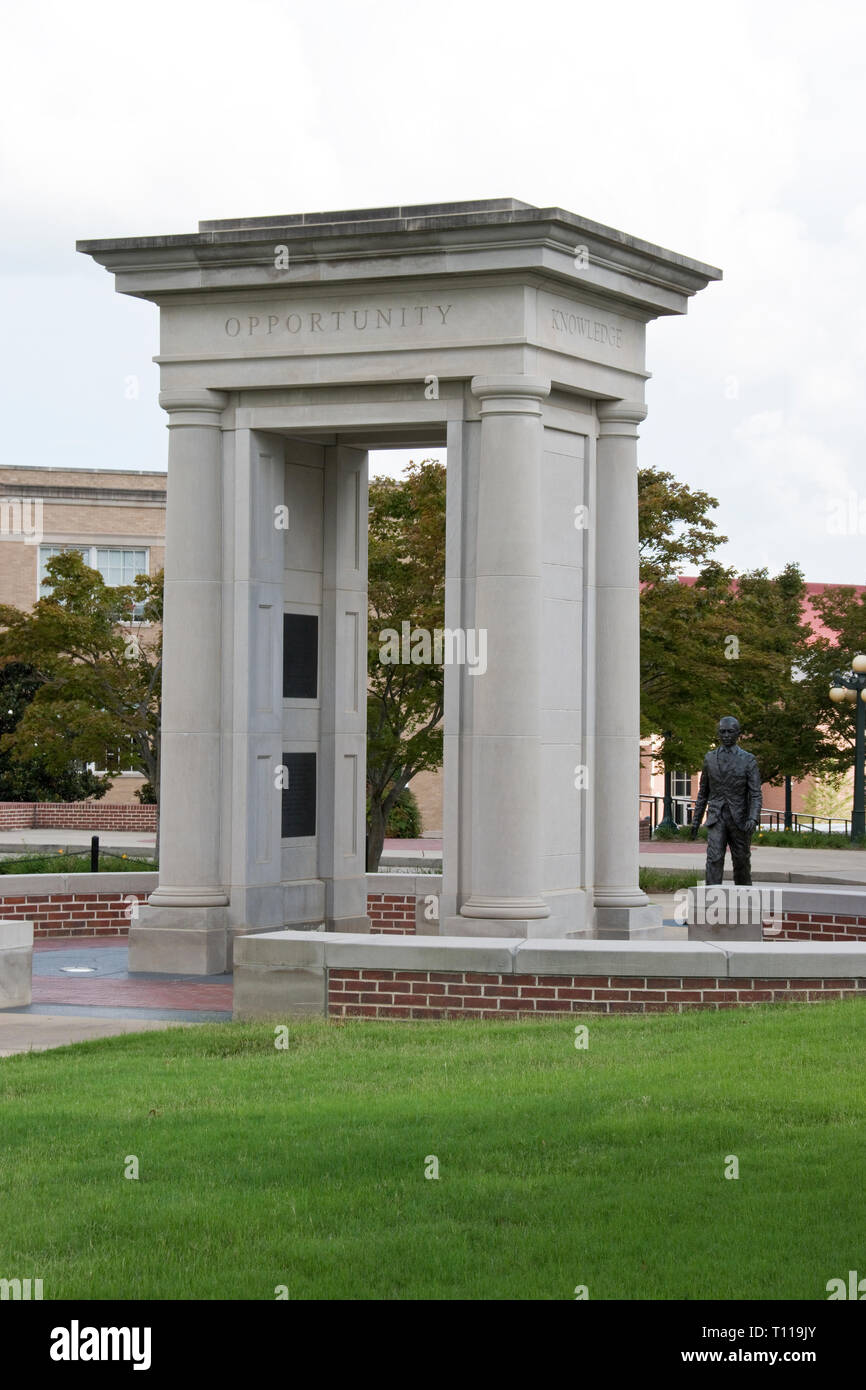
[21, 1032]
[768, 864]
[130, 842]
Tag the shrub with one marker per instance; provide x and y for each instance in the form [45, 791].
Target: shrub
[404, 822]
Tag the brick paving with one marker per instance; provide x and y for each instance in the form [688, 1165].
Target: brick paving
[111, 986]
[144, 994]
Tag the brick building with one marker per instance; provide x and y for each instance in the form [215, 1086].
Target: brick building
[115, 518]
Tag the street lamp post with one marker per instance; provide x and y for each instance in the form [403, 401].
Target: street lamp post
[849, 687]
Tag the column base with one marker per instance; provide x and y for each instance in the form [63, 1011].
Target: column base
[519, 927]
[628, 923]
[180, 941]
[188, 897]
[502, 909]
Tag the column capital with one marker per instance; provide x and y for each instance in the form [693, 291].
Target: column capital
[620, 417]
[510, 395]
[193, 405]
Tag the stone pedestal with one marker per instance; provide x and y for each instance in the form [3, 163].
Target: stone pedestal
[729, 912]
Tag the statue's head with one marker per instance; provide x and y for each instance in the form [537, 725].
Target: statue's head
[729, 730]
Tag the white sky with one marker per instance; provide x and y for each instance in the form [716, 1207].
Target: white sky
[734, 134]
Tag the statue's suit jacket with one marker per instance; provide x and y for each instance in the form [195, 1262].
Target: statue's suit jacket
[738, 788]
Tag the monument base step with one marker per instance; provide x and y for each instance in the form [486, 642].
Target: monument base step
[629, 923]
[159, 945]
[522, 928]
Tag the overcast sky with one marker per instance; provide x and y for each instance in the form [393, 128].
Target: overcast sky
[734, 134]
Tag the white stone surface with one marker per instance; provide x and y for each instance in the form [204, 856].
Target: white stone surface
[16, 963]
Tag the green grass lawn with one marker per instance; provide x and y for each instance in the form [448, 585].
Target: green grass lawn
[74, 864]
[558, 1167]
[669, 880]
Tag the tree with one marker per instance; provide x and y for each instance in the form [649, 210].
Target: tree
[842, 611]
[680, 624]
[98, 659]
[406, 586]
[33, 780]
[673, 526]
[781, 710]
[726, 644]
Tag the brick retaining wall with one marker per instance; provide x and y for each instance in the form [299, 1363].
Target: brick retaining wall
[76, 815]
[71, 914]
[435, 994]
[97, 904]
[343, 975]
[820, 926]
[74, 904]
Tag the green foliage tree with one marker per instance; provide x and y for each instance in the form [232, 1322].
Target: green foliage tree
[727, 644]
[33, 780]
[98, 665]
[842, 610]
[779, 708]
[681, 628]
[673, 526]
[406, 585]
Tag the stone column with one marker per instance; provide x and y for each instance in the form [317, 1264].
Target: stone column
[179, 931]
[622, 909]
[506, 872]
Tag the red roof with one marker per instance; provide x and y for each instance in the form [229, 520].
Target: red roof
[812, 588]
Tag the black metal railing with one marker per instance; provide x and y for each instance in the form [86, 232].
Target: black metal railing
[652, 807]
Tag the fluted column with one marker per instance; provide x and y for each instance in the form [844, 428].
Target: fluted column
[617, 743]
[506, 711]
[189, 835]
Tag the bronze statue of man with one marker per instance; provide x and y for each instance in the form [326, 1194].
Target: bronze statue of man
[730, 792]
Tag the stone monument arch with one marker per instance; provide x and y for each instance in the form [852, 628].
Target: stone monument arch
[289, 347]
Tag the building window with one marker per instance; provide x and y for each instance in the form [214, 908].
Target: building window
[681, 791]
[117, 564]
[48, 552]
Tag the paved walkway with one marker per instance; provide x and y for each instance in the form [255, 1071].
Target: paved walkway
[23, 1032]
[50, 841]
[84, 990]
[768, 863]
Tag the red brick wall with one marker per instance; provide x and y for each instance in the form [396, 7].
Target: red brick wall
[462, 994]
[71, 914]
[75, 815]
[76, 914]
[391, 914]
[820, 926]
